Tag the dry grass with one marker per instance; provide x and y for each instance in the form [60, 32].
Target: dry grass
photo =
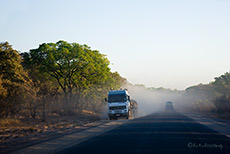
[8, 122]
[89, 113]
[23, 126]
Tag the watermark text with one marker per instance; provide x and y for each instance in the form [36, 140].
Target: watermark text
[205, 146]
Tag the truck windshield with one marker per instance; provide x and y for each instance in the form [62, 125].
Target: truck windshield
[117, 98]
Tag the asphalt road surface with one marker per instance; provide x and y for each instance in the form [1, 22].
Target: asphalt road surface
[160, 133]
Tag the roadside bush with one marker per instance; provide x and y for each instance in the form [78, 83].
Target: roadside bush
[222, 104]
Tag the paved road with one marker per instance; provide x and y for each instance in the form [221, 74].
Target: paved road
[163, 132]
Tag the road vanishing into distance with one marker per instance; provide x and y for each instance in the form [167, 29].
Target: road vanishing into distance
[158, 133]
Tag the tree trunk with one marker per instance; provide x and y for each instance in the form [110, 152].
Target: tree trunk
[43, 111]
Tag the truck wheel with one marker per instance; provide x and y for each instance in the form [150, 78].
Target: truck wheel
[128, 116]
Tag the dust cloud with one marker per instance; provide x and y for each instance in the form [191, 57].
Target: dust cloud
[152, 100]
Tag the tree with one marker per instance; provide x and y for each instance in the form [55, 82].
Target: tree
[10, 64]
[14, 81]
[222, 84]
[116, 81]
[95, 95]
[75, 67]
[3, 91]
[199, 98]
[222, 87]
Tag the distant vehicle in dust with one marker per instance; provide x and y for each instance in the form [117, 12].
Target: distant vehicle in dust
[169, 106]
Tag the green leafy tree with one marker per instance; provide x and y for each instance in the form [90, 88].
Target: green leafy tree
[75, 67]
[116, 81]
[94, 99]
[10, 64]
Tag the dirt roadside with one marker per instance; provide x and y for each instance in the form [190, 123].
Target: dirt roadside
[17, 133]
[54, 140]
[59, 143]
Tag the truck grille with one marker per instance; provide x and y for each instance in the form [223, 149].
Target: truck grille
[117, 107]
[117, 111]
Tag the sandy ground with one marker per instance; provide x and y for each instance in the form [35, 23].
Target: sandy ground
[29, 131]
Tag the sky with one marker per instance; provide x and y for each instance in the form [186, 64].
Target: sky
[158, 43]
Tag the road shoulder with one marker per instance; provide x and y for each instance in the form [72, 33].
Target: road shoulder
[58, 144]
[219, 125]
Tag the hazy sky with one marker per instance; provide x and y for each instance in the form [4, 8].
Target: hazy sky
[159, 43]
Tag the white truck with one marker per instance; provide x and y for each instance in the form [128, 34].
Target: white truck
[120, 105]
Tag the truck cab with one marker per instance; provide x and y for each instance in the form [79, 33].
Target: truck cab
[119, 104]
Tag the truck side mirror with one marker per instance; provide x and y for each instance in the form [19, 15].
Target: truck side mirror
[129, 98]
[106, 100]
